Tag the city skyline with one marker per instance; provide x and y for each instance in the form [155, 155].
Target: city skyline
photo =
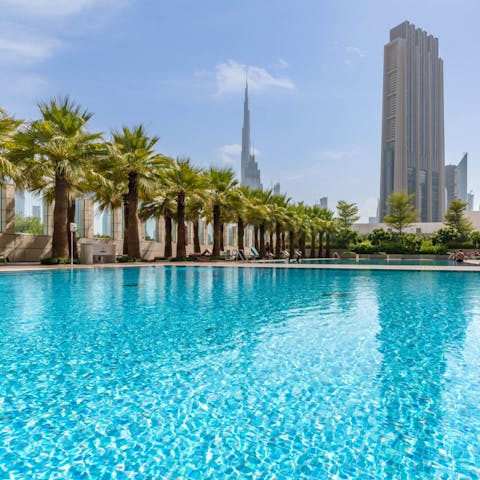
[314, 80]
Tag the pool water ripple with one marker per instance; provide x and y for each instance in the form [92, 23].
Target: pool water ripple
[239, 373]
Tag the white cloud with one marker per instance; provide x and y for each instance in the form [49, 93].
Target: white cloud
[355, 51]
[336, 154]
[53, 8]
[230, 154]
[296, 176]
[282, 64]
[21, 48]
[230, 77]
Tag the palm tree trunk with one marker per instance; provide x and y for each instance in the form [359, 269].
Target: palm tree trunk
[327, 247]
[262, 240]
[291, 243]
[255, 237]
[217, 226]
[282, 246]
[312, 246]
[240, 234]
[271, 241]
[181, 250]
[60, 217]
[133, 240]
[71, 219]
[168, 234]
[196, 236]
[278, 241]
[125, 224]
[222, 234]
[320, 244]
[302, 244]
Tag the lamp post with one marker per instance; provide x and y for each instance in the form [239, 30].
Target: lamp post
[73, 229]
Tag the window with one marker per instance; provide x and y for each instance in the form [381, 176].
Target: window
[80, 216]
[209, 234]
[201, 232]
[102, 222]
[151, 230]
[174, 231]
[30, 213]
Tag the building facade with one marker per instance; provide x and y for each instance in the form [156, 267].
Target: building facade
[412, 150]
[456, 181]
[94, 225]
[250, 173]
[462, 176]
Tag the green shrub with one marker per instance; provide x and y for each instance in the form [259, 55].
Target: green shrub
[58, 261]
[411, 242]
[126, 259]
[445, 235]
[364, 247]
[428, 248]
[379, 235]
[393, 247]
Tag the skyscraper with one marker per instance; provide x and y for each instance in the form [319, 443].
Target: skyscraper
[456, 180]
[250, 173]
[462, 174]
[451, 182]
[412, 122]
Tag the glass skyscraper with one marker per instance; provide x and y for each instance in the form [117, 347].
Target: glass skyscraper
[412, 154]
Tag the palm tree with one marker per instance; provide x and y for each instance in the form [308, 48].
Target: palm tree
[160, 205]
[56, 152]
[329, 226]
[279, 205]
[182, 181]
[133, 159]
[194, 210]
[221, 185]
[8, 126]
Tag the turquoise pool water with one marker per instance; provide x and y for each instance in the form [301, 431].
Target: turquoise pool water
[426, 262]
[239, 373]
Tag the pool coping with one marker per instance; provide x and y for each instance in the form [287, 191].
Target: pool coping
[473, 266]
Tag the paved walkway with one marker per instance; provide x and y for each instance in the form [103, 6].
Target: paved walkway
[470, 266]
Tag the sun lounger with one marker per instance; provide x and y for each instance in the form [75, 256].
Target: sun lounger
[255, 253]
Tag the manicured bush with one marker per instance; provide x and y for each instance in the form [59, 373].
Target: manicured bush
[58, 261]
[428, 248]
[364, 247]
[379, 235]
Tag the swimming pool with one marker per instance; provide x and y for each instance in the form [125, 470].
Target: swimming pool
[239, 373]
[392, 261]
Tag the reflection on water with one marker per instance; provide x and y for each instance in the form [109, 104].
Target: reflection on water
[210, 372]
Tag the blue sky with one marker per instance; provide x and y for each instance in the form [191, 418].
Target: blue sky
[315, 79]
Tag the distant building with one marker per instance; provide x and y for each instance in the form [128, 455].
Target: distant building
[372, 219]
[276, 189]
[324, 202]
[20, 203]
[250, 173]
[412, 151]
[37, 211]
[456, 178]
[451, 182]
[462, 172]
[470, 199]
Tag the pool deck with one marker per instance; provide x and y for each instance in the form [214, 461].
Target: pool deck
[470, 266]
